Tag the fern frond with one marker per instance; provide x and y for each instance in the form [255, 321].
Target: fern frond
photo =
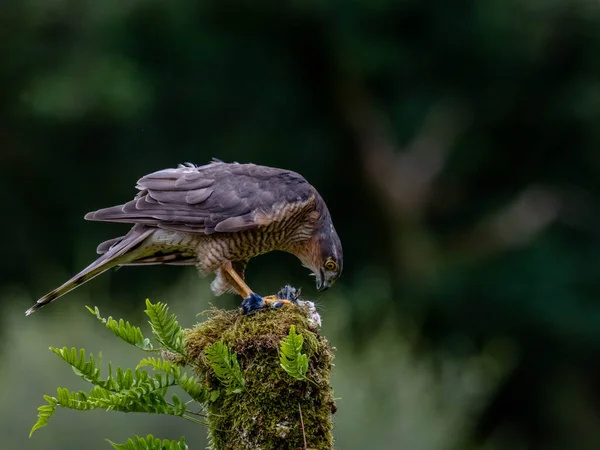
[165, 327]
[74, 400]
[44, 413]
[190, 384]
[132, 390]
[291, 358]
[129, 333]
[162, 365]
[150, 443]
[192, 387]
[226, 367]
[87, 370]
[146, 394]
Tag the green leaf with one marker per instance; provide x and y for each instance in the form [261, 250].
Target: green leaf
[165, 327]
[129, 333]
[190, 384]
[87, 370]
[150, 443]
[129, 390]
[162, 365]
[214, 395]
[44, 413]
[291, 358]
[135, 392]
[226, 367]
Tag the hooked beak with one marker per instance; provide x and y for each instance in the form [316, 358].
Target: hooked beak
[322, 283]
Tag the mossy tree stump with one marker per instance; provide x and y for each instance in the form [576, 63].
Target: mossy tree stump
[266, 414]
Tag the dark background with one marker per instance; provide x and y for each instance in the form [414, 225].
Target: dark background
[457, 145]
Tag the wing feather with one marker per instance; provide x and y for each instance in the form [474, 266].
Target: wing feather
[196, 196]
[214, 198]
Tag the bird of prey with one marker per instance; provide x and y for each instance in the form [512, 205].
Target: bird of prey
[217, 217]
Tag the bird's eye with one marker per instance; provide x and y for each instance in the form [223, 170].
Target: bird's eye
[331, 265]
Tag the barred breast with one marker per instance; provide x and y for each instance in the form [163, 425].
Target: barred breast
[290, 225]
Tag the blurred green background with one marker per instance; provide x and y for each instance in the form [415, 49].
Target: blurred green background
[457, 145]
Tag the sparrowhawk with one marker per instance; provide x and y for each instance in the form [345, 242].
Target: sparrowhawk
[217, 217]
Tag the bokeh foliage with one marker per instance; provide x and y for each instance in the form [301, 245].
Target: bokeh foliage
[456, 143]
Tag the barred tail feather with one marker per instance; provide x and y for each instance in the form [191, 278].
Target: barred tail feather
[91, 271]
[120, 252]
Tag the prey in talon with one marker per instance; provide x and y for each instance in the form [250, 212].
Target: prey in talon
[218, 217]
[287, 295]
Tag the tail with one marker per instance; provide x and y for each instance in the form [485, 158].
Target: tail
[119, 253]
[93, 270]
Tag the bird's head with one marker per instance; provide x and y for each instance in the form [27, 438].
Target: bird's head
[331, 262]
[324, 257]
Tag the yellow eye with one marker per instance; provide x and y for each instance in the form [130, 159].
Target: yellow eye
[331, 265]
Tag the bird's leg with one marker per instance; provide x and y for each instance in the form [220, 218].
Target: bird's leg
[252, 301]
[238, 283]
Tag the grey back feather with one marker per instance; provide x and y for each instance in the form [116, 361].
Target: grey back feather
[214, 198]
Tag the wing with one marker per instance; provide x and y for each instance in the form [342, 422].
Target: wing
[217, 197]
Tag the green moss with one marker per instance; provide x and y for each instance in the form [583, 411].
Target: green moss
[265, 415]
